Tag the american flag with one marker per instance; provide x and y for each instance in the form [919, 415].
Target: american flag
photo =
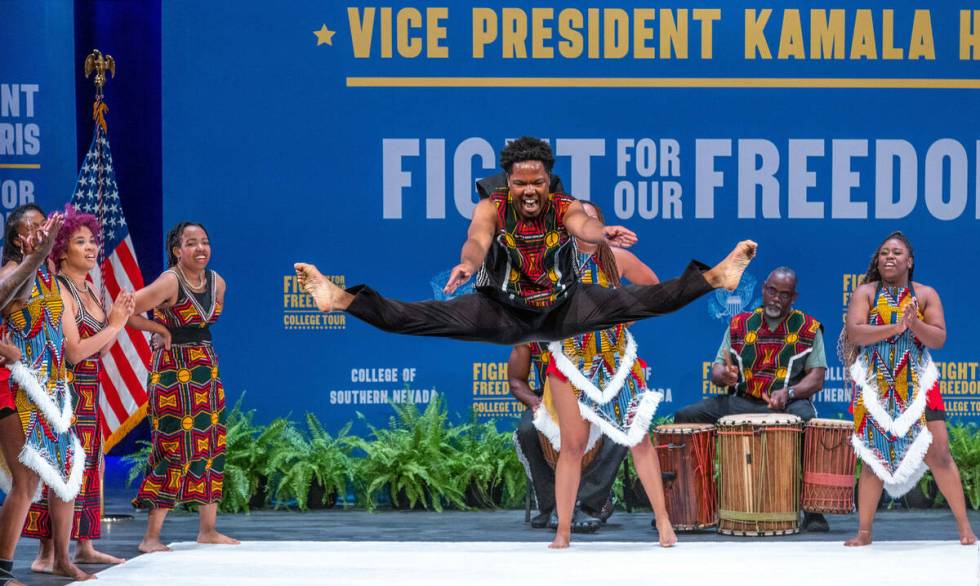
[124, 367]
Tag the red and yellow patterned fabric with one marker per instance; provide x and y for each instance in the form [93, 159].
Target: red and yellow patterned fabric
[83, 381]
[766, 356]
[534, 272]
[186, 405]
[540, 357]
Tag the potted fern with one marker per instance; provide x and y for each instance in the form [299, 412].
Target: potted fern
[486, 466]
[410, 460]
[314, 471]
[964, 445]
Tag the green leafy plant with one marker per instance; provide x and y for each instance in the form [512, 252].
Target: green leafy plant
[486, 466]
[412, 458]
[237, 489]
[248, 450]
[302, 464]
[964, 445]
[137, 461]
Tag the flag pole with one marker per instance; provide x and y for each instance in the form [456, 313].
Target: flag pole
[99, 64]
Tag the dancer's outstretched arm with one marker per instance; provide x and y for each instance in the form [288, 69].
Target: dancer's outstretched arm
[479, 237]
[585, 227]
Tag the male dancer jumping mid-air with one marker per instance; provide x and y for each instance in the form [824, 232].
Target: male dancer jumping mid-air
[519, 238]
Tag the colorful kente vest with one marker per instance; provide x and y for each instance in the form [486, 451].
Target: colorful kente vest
[765, 356]
[531, 263]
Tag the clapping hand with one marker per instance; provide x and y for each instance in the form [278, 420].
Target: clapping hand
[41, 239]
[910, 315]
[122, 309]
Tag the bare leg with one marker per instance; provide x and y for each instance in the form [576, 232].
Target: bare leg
[568, 470]
[44, 561]
[208, 532]
[648, 469]
[869, 493]
[728, 272]
[328, 297]
[24, 485]
[947, 476]
[154, 524]
[62, 516]
[85, 553]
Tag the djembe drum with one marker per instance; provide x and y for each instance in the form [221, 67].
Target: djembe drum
[551, 454]
[687, 452]
[759, 480]
[828, 466]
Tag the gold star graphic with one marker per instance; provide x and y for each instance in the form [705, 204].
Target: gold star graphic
[324, 36]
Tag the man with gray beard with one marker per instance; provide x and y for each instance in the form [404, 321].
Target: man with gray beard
[771, 360]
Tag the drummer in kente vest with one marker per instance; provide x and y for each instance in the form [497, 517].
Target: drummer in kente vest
[772, 360]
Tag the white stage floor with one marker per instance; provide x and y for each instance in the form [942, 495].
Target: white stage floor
[894, 563]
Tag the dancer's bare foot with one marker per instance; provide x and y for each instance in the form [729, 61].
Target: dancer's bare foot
[152, 545]
[328, 297]
[666, 532]
[70, 570]
[562, 539]
[967, 537]
[94, 556]
[728, 272]
[862, 538]
[42, 565]
[215, 537]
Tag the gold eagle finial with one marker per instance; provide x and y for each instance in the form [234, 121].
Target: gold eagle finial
[98, 63]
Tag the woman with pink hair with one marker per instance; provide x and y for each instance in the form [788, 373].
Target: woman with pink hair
[89, 331]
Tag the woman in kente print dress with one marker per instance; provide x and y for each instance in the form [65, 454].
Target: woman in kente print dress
[899, 416]
[89, 331]
[185, 394]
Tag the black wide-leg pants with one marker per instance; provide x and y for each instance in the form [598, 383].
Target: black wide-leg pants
[482, 318]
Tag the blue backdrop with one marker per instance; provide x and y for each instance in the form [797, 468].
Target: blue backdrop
[37, 104]
[350, 136]
[284, 133]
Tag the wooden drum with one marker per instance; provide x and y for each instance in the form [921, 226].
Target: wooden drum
[828, 466]
[759, 474]
[551, 454]
[687, 451]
